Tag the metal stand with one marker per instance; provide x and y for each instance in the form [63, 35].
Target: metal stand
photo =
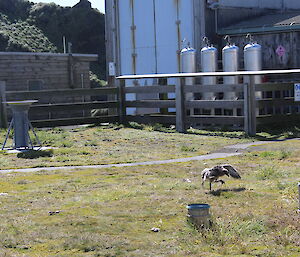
[21, 125]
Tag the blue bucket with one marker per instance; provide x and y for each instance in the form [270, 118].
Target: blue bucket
[198, 214]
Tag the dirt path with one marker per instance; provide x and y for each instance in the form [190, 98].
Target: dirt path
[227, 151]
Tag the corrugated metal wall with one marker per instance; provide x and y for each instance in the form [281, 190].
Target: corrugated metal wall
[150, 38]
[151, 32]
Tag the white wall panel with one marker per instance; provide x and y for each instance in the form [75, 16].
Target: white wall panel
[125, 21]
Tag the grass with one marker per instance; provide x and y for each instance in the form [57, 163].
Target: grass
[113, 144]
[110, 211]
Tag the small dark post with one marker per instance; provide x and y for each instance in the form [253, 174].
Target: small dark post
[3, 111]
[70, 66]
[180, 106]
[122, 102]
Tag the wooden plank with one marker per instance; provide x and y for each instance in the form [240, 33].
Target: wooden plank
[45, 56]
[180, 106]
[122, 99]
[211, 119]
[151, 103]
[74, 121]
[277, 102]
[3, 111]
[215, 104]
[274, 86]
[246, 110]
[63, 92]
[275, 119]
[213, 88]
[252, 109]
[150, 89]
[73, 106]
[152, 119]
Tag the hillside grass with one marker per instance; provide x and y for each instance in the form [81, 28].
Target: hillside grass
[20, 36]
[110, 212]
[113, 144]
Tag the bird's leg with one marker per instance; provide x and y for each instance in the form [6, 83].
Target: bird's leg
[209, 185]
[221, 181]
[202, 184]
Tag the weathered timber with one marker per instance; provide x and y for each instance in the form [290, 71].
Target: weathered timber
[64, 92]
[151, 103]
[279, 118]
[3, 111]
[213, 88]
[74, 121]
[180, 106]
[251, 105]
[121, 99]
[152, 119]
[246, 109]
[227, 104]
[274, 86]
[73, 106]
[150, 89]
[280, 102]
[211, 119]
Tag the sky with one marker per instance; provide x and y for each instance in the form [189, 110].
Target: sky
[99, 4]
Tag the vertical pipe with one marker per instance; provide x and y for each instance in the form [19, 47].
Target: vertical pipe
[64, 45]
[155, 36]
[178, 22]
[133, 40]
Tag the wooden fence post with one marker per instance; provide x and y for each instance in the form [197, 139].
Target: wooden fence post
[180, 106]
[122, 100]
[246, 108]
[3, 111]
[250, 105]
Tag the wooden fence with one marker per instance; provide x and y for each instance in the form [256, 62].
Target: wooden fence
[276, 104]
[253, 111]
[81, 110]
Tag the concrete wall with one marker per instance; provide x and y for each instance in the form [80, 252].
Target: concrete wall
[54, 71]
[45, 71]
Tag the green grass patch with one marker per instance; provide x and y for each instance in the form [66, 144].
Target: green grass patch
[269, 173]
[110, 212]
[114, 144]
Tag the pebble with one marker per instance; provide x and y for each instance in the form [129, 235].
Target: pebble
[53, 212]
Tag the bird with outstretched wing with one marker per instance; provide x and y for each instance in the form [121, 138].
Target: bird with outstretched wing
[213, 174]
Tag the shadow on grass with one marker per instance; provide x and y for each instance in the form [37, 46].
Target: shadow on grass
[34, 154]
[280, 133]
[218, 192]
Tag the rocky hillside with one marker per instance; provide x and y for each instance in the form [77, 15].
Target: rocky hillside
[29, 27]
